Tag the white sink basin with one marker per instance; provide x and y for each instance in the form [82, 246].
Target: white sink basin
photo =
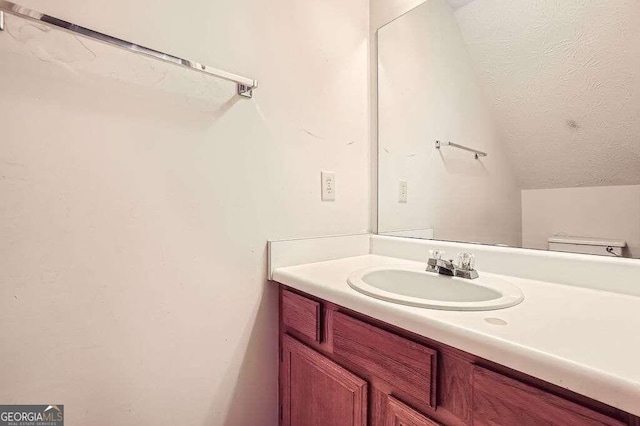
[414, 286]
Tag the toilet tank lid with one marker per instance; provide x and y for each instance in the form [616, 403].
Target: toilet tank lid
[587, 241]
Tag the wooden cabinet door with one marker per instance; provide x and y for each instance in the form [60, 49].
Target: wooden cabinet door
[316, 391]
[399, 414]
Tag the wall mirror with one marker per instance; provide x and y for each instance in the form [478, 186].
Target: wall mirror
[512, 122]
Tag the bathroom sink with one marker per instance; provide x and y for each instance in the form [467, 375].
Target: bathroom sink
[414, 286]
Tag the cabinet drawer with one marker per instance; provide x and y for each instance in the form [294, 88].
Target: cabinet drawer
[408, 367]
[301, 315]
[500, 400]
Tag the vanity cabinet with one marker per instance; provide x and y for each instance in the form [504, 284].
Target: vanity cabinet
[339, 368]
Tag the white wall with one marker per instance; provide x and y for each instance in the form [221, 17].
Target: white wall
[137, 198]
[611, 212]
[428, 91]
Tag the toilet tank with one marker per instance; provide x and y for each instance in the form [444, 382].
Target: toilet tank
[586, 245]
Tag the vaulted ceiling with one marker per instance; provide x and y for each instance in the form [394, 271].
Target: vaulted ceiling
[563, 77]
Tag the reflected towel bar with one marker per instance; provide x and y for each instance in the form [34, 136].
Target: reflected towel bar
[477, 154]
[245, 85]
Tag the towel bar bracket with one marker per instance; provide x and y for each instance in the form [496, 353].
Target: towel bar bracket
[246, 91]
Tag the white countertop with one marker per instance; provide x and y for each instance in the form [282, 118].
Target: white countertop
[581, 339]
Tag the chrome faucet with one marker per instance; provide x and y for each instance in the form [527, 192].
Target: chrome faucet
[463, 267]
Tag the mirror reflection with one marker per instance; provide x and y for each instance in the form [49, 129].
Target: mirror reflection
[512, 123]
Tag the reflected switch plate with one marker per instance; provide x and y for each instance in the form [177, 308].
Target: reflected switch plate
[402, 191]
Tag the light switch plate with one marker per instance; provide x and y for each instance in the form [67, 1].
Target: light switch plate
[328, 186]
[402, 191]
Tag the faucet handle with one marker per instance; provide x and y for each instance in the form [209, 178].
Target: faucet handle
[465, 261]
[434, 258]
[436, 254]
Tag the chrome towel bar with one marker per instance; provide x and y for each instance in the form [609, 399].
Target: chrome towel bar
[245, 85]
[477, 154]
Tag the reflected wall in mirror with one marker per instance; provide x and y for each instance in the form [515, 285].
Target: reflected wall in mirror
[550, 91]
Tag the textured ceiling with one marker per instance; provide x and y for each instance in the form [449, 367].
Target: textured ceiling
[564, 80]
